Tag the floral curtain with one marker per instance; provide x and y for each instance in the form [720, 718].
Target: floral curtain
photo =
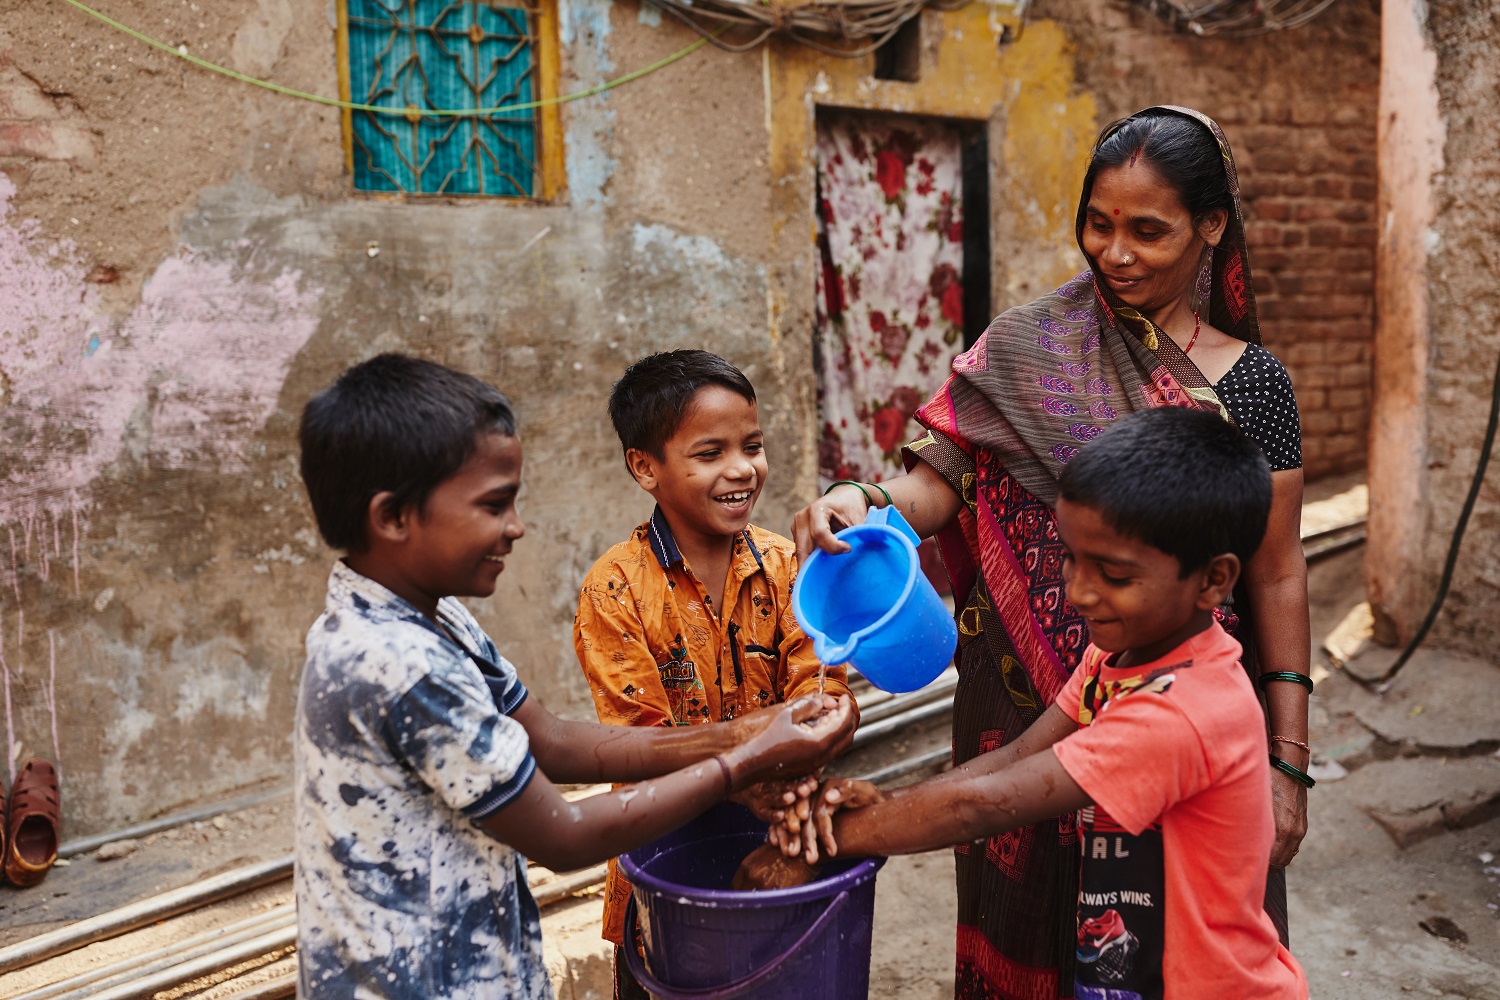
[889, 317]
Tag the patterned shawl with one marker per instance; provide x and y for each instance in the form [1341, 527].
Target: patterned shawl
[1046, 378]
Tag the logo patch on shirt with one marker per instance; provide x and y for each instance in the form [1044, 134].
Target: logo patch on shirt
[1097, 694]
[679, 671]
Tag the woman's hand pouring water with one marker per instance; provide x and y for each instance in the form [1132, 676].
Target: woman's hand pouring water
[813, 526]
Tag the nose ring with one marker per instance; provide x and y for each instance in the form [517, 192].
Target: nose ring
[1127, 260]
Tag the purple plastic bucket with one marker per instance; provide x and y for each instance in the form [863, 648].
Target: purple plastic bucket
[705, 941]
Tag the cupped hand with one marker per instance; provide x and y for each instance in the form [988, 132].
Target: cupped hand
[800, 738]
[1289, 806]
[814, 525]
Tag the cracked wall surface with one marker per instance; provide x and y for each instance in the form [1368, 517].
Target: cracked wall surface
[182, 263]
[1439, 331]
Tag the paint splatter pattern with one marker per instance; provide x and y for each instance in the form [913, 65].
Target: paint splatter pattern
[404, 738]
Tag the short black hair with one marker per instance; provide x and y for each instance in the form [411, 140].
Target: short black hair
[393, 423]
[1185, 481]
[649, 401]
[1181, 149]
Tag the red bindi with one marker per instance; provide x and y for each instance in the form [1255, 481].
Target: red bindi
[1117, 211]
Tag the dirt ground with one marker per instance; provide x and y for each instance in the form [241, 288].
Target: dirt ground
[1371, 919]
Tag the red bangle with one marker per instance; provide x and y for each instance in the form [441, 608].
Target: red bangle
[724, 766]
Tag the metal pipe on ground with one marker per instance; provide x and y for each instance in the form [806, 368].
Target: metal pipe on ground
[83, 984]
[945, 684]
[932, 710]
[902, 768]
[146, 911]
[1328, 543]
[275, 989]
[204, 965]
[550, 892]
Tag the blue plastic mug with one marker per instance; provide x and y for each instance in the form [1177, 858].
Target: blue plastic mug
[873, 607]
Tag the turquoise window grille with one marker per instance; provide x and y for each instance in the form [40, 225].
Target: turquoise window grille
[420, 55]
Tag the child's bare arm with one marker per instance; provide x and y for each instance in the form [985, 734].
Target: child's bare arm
[965, 807]
[562, 835]
[803, 825]
[589, 751]
[1053, 725]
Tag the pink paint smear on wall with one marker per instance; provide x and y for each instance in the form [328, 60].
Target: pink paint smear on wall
[190, 376]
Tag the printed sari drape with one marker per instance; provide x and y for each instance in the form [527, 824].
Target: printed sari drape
[1046, 378]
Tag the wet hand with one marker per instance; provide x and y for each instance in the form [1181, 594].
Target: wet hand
[839, 793]
[814, 525]
[770, 800]
[767, 868]
[786, 824]
[800, 738]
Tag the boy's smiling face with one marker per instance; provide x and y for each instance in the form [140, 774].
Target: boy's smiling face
[456, 545]
[711, 470]
[1132, 594]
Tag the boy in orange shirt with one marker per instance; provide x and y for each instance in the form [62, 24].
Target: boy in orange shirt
[689, 620]
[1156, 738]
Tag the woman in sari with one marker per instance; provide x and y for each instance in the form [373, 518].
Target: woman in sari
[1164, 316]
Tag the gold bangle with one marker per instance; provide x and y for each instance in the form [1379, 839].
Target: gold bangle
[1283, 739]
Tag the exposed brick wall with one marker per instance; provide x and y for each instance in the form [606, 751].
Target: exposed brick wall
[1309, 186]
[1300, 109]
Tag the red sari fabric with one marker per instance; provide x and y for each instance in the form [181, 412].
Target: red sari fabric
[1046, 378]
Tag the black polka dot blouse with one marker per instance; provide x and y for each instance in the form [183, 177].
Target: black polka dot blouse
[1257, 392]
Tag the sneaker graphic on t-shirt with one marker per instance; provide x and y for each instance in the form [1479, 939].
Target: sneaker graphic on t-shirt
[1104, 943]
[1121, 910]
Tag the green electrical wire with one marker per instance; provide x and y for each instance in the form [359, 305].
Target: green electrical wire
[378, 110]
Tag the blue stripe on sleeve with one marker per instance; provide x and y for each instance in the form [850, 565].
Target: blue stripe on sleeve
[512, 698]
[504, 793]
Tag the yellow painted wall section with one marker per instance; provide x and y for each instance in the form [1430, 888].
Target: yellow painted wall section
[1040, 127]
[1026, 89]
[1049, 130]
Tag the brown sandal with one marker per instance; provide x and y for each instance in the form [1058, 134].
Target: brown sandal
[32, 817]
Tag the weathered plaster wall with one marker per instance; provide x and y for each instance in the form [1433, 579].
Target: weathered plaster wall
[1040, 128]
[182, 264]
[1439, 330]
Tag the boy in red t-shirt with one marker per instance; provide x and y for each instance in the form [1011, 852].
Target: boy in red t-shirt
[1157, 738]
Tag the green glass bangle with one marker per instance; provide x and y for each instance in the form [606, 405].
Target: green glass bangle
[849, 482]
[1301, 777]
[1286, 675]
[888, 501]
